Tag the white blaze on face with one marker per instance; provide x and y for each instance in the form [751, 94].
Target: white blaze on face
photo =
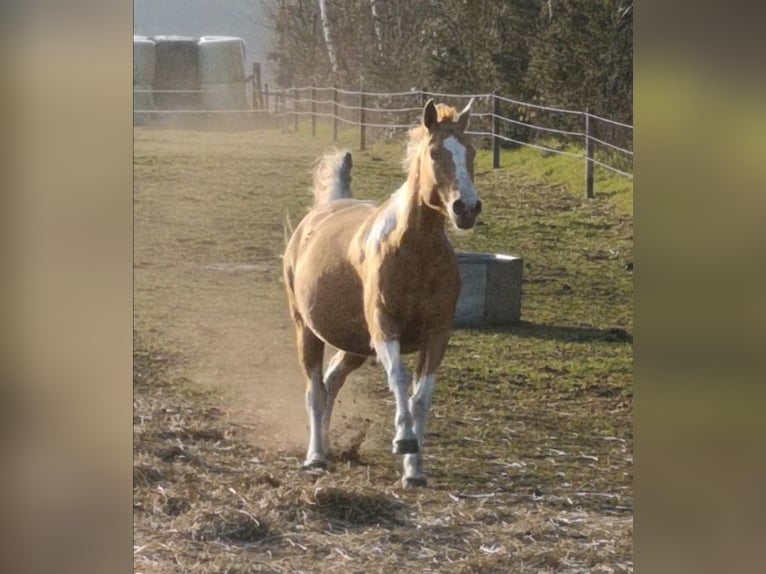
[464, 184]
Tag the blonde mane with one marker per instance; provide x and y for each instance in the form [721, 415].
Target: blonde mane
[419, 133]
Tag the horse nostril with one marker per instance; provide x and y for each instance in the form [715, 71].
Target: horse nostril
[478, 207]
[458, 206]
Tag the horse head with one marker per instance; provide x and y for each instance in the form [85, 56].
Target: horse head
[447, 164]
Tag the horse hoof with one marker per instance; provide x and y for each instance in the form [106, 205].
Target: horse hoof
[414, 482]
[315, 465]
[406, 446]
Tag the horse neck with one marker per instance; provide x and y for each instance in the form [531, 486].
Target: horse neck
[406, 222]
[423, 221]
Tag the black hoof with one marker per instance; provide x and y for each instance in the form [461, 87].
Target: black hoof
[315, 465]
[406, 446]
[414, 482]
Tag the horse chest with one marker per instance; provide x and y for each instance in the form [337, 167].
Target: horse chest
[419, 288]
[412, 279]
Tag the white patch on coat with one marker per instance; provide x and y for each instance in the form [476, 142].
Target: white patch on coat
[399, 380]
[464, 183]
[386, 220]
[316, 400]
[420, 403]
[389, 356]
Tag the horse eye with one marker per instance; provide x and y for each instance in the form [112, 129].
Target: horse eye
[434, 153]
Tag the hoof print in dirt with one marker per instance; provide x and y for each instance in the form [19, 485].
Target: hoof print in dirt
[406, 446]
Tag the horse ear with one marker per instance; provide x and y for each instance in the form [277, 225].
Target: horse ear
[462, 119]
[430, 117]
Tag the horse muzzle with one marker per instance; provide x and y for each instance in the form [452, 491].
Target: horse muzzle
[464, 215]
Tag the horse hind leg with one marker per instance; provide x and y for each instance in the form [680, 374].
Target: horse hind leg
[341, 366]
[311, 355]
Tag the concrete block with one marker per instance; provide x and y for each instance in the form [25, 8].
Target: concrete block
[490, 295]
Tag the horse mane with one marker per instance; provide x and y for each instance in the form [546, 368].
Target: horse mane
[416, 135]
[332, 176]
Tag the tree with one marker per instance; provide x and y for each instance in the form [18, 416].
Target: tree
[566, 53]
[584, 57]
[328, 37]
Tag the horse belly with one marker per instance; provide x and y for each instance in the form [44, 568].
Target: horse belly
[333, 309]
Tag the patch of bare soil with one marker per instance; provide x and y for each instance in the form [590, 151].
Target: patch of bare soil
[208, 241]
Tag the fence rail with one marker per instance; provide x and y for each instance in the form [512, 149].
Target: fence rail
[499, 119]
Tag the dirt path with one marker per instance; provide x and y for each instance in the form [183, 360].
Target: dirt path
[208, 242]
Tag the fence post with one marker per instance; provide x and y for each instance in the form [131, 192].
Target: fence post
[266, 98]
[362, 120]
[295, 109]
[255, 87]
[423, 96]
[334, 113]
[313, 113]
[495, 131]
[282, 107]
[588, 156]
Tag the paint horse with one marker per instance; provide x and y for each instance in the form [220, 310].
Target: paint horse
[382, 280]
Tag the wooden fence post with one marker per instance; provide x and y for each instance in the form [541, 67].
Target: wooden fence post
[588, 156]
[255, 87]
[295, 110]
[495, 131]
[313, 113]
[362, 105]
[334, 113]
[266, 98]
[423, 96]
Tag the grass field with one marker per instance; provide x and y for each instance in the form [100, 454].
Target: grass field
[529, 443]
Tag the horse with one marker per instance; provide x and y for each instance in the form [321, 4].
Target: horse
[382, 281]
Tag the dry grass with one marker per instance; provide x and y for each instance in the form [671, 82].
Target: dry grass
[207, 500]
[529, 444]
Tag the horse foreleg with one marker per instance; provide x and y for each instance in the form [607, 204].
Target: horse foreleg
[311, 354]
[405, 441]
[419, 403]
[341, 366]
[431, 354]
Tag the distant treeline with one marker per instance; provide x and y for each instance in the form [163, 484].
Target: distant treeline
[575, 54]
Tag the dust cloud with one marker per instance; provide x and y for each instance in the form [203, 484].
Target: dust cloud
[247, 352]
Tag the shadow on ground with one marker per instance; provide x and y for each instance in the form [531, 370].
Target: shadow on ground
[565, 333]
[358, 509]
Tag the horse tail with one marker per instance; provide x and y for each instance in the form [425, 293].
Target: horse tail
[332, 177]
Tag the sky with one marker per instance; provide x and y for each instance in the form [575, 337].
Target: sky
[241, 18]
